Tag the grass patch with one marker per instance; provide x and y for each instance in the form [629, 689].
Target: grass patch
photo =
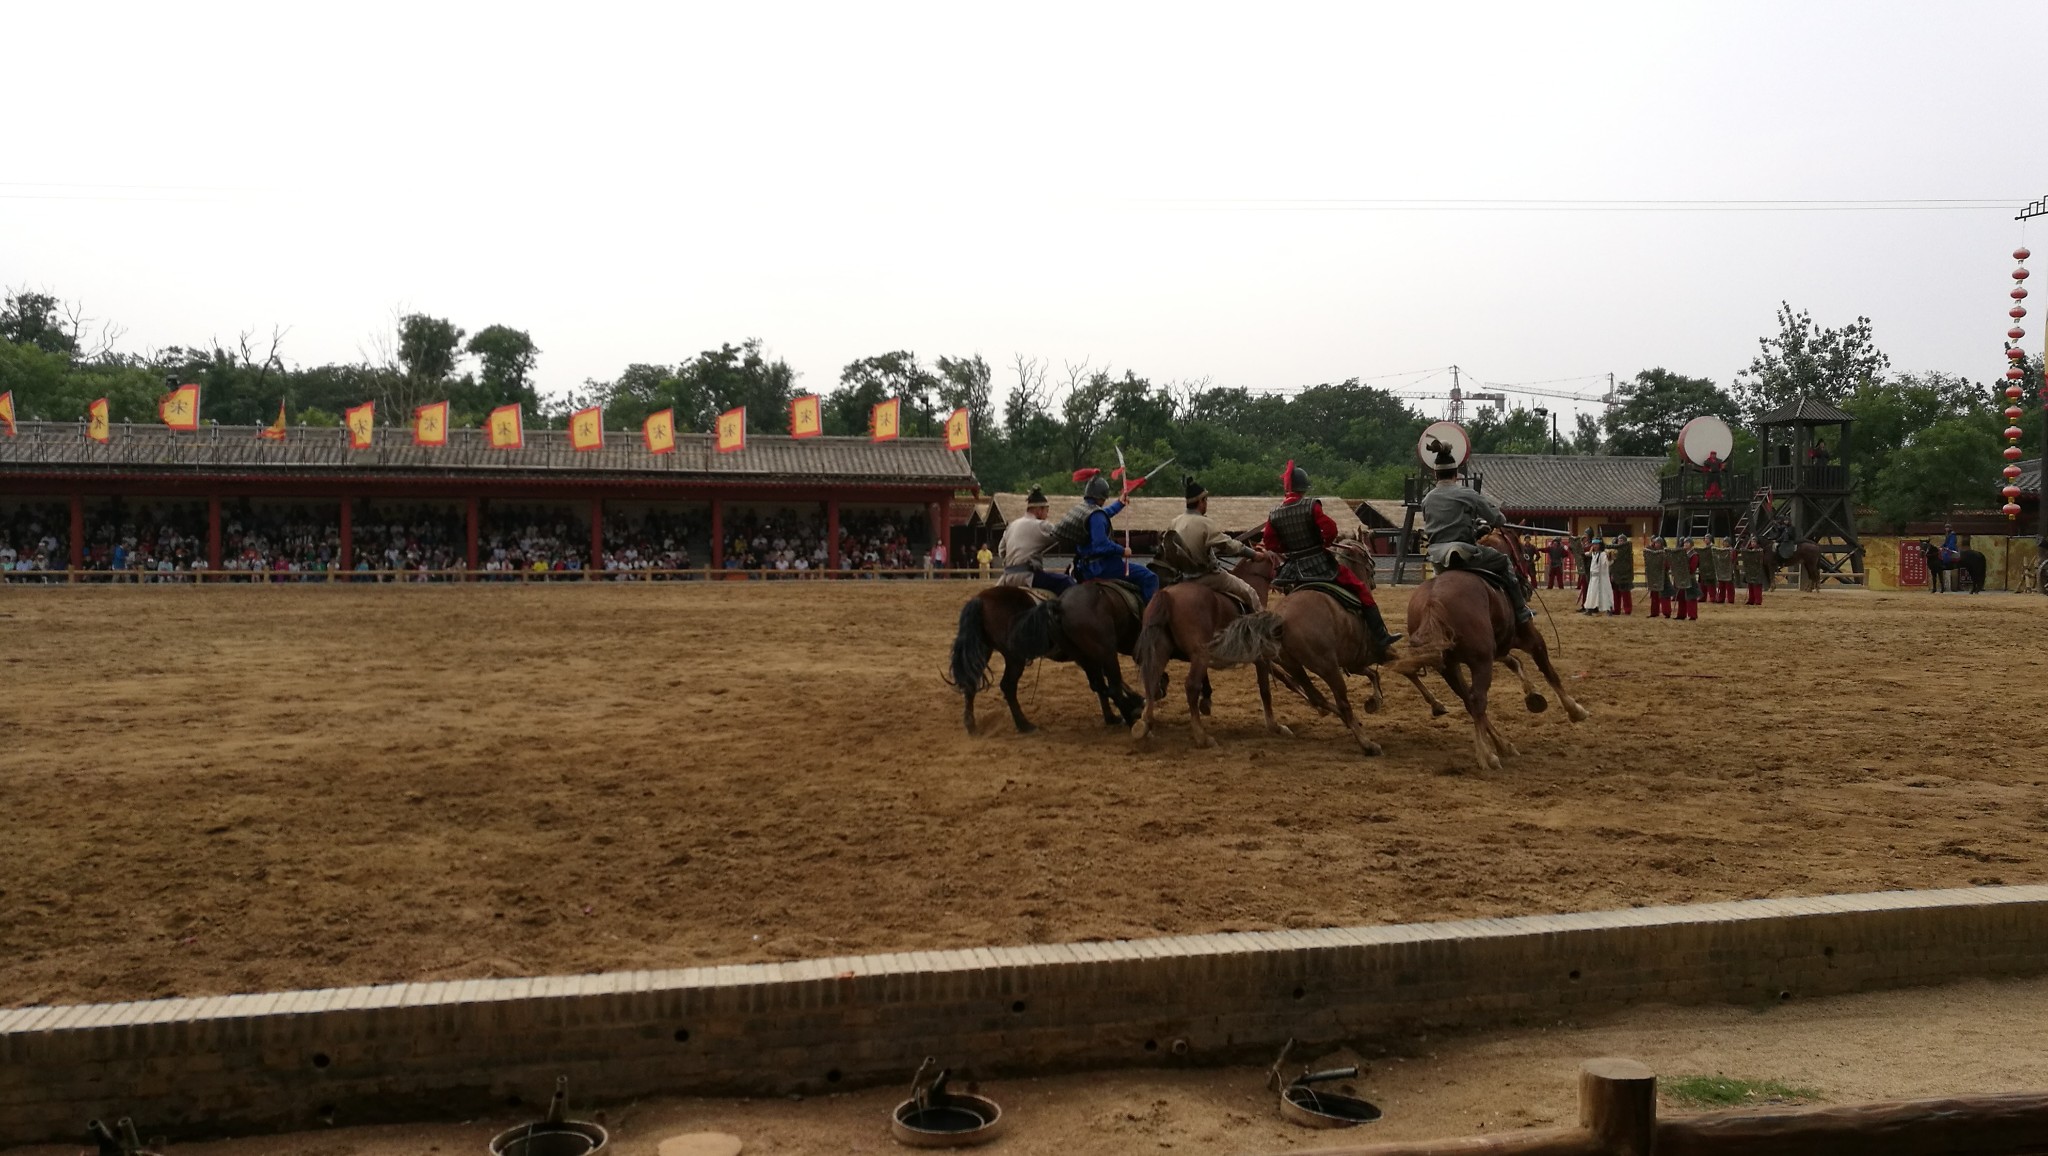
[1726, 1092]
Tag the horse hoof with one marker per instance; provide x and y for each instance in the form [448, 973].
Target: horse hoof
[1578, 713]
[1536, 703]
[1140, 729]
[1372, 750]
[1492, 764]
[1026, 728]
[1206, 712]
[1439, 711]
[1371, 705]
[1280, 731]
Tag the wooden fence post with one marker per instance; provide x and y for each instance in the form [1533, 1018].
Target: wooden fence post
[1618, 1105]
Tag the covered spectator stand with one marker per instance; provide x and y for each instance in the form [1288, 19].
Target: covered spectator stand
[207, 482]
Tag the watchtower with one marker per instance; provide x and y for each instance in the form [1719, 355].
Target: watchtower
[1803, 481]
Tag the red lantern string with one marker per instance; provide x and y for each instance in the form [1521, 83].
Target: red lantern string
[2015, 372]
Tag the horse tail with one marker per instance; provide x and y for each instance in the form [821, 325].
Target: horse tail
[1155, 640]
[1431, 640]
[971, 650]
[1037, 634]
[1251, 638]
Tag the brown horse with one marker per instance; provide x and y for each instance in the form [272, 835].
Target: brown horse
[986, 624]
[1089, 626]
[1459, 618]
[1179, 623]
[1310, 633]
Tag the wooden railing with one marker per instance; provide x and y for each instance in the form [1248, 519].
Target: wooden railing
[1691, 486]
[1618, 1117]
[1813, 479]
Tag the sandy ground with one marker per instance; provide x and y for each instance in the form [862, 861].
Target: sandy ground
[250, 788]
[1967, 1038]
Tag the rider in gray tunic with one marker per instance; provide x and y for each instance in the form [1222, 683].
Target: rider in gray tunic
[1450, 516]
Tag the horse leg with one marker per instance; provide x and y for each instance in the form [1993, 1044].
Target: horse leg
[1208, 694]
[1379, 695]
[1531, 642]
[1265, 670]
[1198, 677]
[1295, 675]
[1012, 671]
[1332, 672]
[1100, 686]
[1436, 709]
[1475, 705]
[1536, 703]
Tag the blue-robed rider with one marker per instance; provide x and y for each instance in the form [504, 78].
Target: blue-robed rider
[1085, 530]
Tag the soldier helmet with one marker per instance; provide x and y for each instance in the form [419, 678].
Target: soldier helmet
[1195, 492]
[1035, 499]
[1096, 490]
[1294, 479]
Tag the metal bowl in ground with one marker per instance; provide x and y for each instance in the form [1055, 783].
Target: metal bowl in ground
[959, 1122]
[550, 1138]
[1306, 1106]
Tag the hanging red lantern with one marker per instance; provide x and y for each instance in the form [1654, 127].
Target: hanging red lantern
[2016, 312]
[2012, 509]
[2019, 293]
[2014, 392]
[2011, 472]
[2011, 493]
[2014, 352]
[2012, 453]
[2015, 373]
[2020, 274]
[2015, 333]
[2021, 253]
[2012, 413]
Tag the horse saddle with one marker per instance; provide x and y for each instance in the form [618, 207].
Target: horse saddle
[1344, 596]
[1038, 595]
[1124, 587]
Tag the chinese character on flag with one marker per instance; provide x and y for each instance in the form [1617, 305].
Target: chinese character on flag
[886, 421]
[806, 419]
[504, 429]
[430, 425]
[179, 408]
[586, 429]
[7, 411]
[956, 430]
[97, 427]
[660, 432]
[732, 430]
[362, 425]
[274, 432]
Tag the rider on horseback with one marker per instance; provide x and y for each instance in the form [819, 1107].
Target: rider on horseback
[1299, 530]
[1451, 513]
[1085, 531]
[1025, 543]
[1193, 545]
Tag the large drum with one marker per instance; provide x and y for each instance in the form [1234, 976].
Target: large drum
[1705, 435]
[1444, 445]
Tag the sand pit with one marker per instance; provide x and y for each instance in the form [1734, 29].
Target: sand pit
[249, 788]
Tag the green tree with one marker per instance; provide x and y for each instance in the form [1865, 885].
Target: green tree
[428, 348]
[1656, 404]
[1518, 431]
[507, 357]
[729, 377]
[870, 381]
[37, 319]
[1804, 360]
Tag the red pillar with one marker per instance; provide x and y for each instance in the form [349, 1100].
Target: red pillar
[77, 531]
[718, 533]
[348, 534]
[213, 533]
[832, 534]
[597, 534]
[476, 517]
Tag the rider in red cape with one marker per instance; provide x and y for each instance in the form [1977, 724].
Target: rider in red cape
[1298, 529]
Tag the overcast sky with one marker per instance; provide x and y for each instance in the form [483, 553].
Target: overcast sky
[1115, 182]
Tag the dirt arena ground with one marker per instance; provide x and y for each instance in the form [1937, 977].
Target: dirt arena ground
[248, 788]
[1976, 1037]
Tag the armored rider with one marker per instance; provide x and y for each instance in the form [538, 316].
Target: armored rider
[1025, 544]
[1193, 546]
[1085, 530]
[1451, 513]
[1299, 531]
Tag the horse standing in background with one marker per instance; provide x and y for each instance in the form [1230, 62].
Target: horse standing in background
[1968, 564]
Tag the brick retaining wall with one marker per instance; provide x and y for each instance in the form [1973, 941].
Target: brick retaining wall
[353, 1055]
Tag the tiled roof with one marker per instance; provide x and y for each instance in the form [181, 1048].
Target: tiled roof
[1386, 511]
[2029, 480]
[1553, 483]
[323, 450]
[1154, 515]
[1805, 409]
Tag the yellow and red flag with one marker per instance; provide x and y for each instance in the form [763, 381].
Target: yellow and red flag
[586, 429]
[97, 427]
[274, 432]
[806, 416]
[885, 421]
[179, 408]
[504, 429]
[659, 431]
[430, 425]
[7, 411]
[956, 430]
[732, 430]
[362, 424]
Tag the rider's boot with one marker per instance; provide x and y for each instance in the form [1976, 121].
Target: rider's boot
[1520, 602]
[1382, 640]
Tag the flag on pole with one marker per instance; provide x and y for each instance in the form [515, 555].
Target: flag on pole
[179, 409]
[586, 429]
[97, 427]
[732, 430]
[274, 432]
[956, 430]
[806, 417]
[430, 425]
[505, 430]
[885, 421]
[659, 431]
[362, 424]
[7, 411]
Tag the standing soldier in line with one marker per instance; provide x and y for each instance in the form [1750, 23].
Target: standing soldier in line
[1753, 571]
[1656, 568]
[1553, 552]
[1687, 578]
[1624, 571]
[1724, 571]
[1581, 547]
